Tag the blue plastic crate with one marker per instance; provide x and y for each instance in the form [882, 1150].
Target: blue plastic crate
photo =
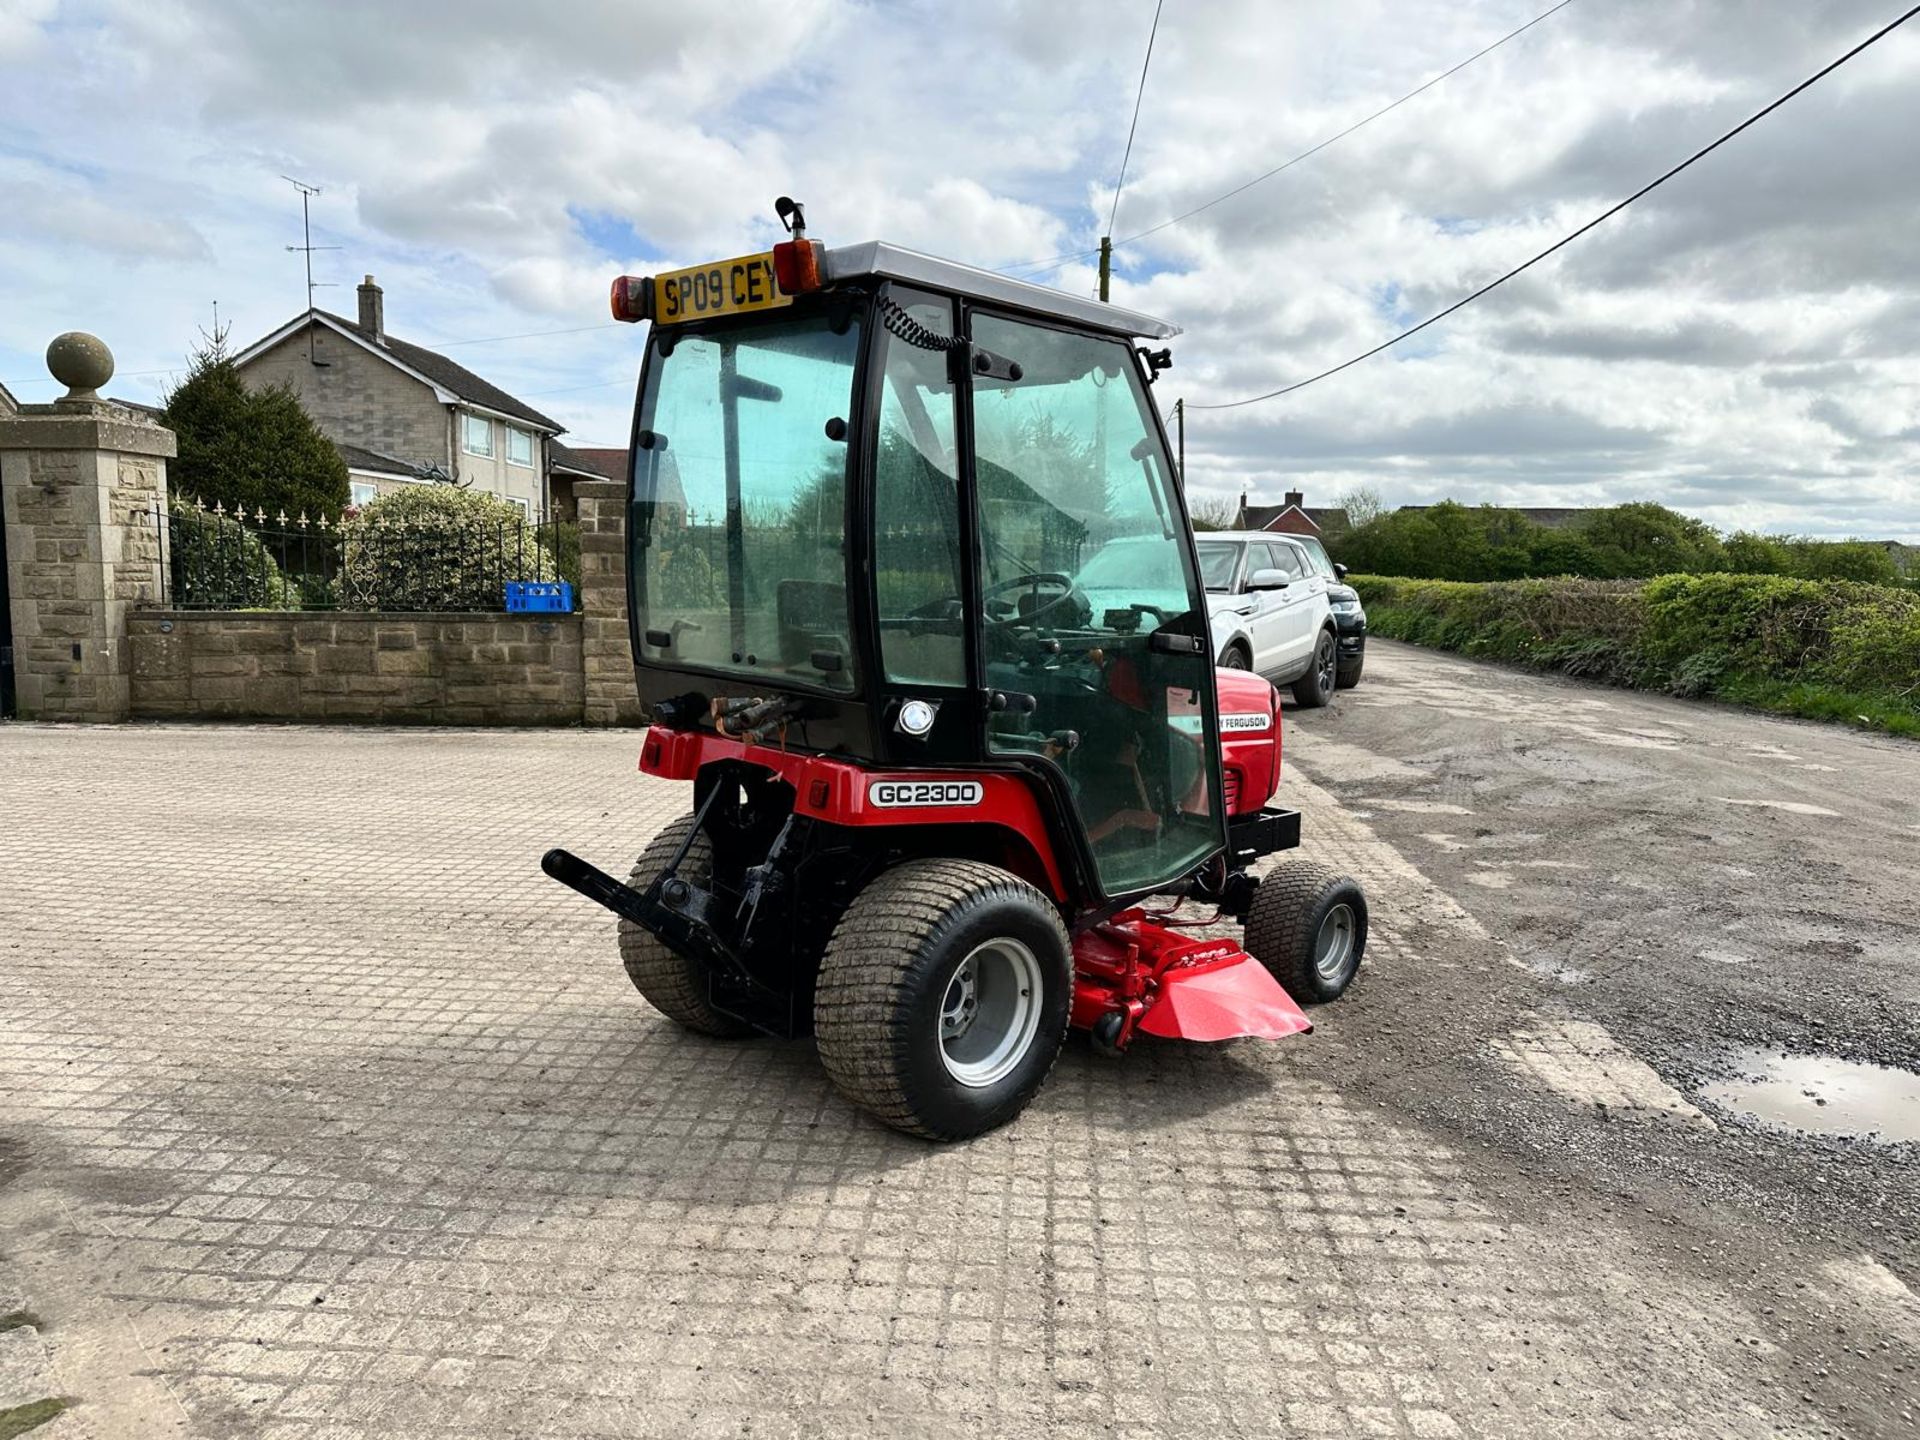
[539, 595]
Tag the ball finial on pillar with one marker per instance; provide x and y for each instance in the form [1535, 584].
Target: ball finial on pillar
[81, 362]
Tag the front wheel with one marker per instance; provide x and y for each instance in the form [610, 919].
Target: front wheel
[1308, 926]
[672, 983]
[1235, 657]
[1350, 674]
[943, 996]
[1315, 688]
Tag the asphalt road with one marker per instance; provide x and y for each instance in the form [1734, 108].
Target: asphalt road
[1702, 883]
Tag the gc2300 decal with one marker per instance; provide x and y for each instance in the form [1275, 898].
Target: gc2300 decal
[894, 794]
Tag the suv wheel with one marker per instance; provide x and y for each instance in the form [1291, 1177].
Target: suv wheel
[1315, 688]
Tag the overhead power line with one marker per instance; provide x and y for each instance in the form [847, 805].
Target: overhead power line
[1566, 240]
[1138, 95]
[1054, 260]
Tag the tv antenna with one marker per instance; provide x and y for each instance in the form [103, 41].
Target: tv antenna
[306, 247]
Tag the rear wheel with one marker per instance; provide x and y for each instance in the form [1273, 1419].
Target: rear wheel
[1235, 657]
[673, 984]
[1315, 688]
[1308, 926]
[943, 997]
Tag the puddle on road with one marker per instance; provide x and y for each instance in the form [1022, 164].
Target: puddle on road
[1825, 1096]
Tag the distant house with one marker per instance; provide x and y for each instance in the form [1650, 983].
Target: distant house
[1292, 516]
[1551, 516]
[8, 405]
[570, 465]
[401, 414]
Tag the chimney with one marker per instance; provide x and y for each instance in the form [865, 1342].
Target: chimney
[1295, 498]
[373, 311]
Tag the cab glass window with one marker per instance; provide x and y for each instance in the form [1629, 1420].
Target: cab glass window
[740, 545]
[916, 505]
[1091, 619]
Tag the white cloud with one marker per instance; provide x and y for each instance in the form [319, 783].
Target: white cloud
[1742, 343]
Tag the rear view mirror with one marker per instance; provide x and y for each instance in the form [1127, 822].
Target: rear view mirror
[1268, 580]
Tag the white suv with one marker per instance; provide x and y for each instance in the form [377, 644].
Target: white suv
[1268, 609]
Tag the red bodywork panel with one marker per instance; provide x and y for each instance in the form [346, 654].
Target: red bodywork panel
[847, 794]
[1249, 740]
[1151, 976]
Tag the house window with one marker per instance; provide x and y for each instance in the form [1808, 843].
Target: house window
[519, 446]
[516, 500]
[365, 492]
[476, 435]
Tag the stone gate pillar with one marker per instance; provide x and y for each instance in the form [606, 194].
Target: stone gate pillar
[606, 650]
[80, 480]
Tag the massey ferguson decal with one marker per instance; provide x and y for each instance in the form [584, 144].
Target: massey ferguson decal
[1246, 721]
[895, 794]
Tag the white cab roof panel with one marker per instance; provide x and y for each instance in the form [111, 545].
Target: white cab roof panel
[894, 262]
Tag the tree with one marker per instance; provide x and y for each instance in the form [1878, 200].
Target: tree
[1363, 506]
[1214, 512]
[249, 449]
[1642, 539]
[1842, 560]
[1751, 554]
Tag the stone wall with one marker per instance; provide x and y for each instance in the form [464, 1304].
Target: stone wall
[606, 649]
[405, 669]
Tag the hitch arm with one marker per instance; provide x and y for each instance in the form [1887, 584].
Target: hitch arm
[598, 886]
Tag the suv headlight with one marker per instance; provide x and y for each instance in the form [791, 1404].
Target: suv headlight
[1345, 607]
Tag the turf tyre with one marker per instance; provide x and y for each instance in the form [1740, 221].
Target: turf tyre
[892, 958]
[673, 984]
[1290, 915]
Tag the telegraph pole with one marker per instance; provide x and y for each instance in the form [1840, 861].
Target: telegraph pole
[1106, 264]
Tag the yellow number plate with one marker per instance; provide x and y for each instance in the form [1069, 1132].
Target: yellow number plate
[726, 287]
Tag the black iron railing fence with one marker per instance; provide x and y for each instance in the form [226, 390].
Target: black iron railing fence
[221, 559]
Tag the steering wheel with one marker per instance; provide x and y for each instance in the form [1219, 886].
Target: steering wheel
[1034, 583]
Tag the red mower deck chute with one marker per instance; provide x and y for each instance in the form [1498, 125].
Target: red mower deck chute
[916, 612]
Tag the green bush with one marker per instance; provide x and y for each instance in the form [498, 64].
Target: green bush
[435, 547]
[1833, 649]
[216, 563]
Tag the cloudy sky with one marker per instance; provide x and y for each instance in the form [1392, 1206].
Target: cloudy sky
[1741, 345]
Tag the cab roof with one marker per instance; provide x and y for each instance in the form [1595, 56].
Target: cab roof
[895, 262]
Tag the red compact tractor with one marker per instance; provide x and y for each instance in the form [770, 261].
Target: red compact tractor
[915, 609]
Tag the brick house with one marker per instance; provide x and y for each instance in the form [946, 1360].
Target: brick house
[1291, 516]
[401, 414]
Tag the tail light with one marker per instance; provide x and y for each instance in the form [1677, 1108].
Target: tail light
[797, 266]
[632, 297]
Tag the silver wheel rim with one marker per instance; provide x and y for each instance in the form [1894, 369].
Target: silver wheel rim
[1333, 946]
[1326, 662]
[990, 1013]
[1234, 661]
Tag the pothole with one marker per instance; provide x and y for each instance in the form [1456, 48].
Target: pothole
[1822, 1095]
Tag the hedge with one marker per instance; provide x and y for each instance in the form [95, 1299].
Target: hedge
[1831, 649]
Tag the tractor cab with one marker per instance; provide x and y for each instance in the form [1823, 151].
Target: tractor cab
[912, 582]
[933, 509]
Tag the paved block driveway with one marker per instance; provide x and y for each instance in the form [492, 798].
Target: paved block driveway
[324, 1114]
